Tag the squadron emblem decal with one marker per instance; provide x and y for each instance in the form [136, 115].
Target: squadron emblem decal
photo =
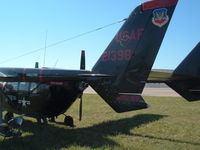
[160, 17]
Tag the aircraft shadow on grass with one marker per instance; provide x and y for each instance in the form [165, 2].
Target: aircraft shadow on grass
[96, 136]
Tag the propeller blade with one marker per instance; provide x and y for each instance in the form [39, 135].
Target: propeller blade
[80, 108]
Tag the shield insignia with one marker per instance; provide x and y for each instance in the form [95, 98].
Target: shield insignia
[160, 17]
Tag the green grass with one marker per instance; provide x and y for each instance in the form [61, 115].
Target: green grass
[171, 123]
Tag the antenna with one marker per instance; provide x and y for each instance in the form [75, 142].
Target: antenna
[55, 63]
[45, 48]
[60, 42]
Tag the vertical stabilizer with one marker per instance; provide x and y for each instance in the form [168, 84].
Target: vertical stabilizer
[189, 68]
[130, 55]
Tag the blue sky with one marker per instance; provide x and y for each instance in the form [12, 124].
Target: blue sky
[24, 24]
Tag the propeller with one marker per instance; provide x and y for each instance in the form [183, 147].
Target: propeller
[81, 85]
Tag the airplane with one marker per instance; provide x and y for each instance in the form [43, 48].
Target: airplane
[119, 75]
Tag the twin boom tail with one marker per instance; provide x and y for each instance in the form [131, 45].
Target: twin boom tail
[130, 55]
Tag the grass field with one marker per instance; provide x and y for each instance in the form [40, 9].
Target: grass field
[171, 123]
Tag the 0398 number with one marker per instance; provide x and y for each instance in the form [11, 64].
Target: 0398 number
[116, 55]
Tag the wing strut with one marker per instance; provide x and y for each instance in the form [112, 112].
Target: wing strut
[82, 67]
[81, 108]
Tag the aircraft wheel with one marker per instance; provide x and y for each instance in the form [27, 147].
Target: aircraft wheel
[8, 116]
[45, 121]
[38, 121]
[42, 120]
[52, 119]
[69, 121]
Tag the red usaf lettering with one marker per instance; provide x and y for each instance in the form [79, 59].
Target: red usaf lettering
[125, 36]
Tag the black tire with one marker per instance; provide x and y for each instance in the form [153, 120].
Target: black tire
[52, 119]
[39, 122]
[8, 116]
[45, 121]
[42, 121]
[69, 121]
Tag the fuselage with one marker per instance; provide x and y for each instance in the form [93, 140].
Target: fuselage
[39, 98]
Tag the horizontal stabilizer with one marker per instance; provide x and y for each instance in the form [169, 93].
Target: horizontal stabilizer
[124, 102]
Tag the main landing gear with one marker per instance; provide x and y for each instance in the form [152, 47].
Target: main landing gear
[52, 119]
[9, 129]
[42, 120]
[68, 120]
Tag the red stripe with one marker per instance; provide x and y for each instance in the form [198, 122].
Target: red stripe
[158, 4]
[83, 53]
[24, 75]
[41, 70]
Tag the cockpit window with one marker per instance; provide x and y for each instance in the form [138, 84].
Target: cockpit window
[11, 86]
[1, 85]
[33, 87]
[38, 87]
[24, 86]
